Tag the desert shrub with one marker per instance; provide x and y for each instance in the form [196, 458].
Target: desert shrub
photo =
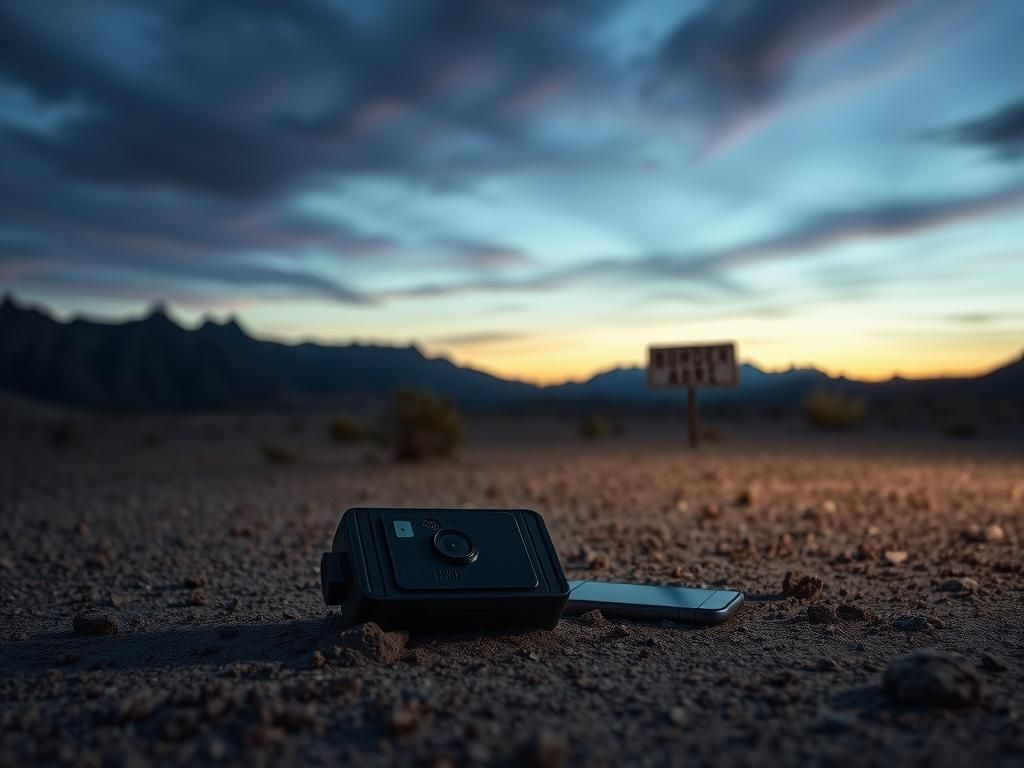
[834, 410]
[961, 427]
[348, 429]
[593, 427]
[275, 453]
[424, 426]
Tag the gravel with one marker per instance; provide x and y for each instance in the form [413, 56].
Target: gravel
[264, 674]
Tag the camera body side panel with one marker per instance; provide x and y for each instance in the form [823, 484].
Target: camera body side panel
[374, 594]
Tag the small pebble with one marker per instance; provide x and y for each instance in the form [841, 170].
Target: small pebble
[911, 623]
[801, 586]
[963, 584]
[895, 556]
[989, 534]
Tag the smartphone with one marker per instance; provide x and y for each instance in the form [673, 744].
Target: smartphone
[644, 601]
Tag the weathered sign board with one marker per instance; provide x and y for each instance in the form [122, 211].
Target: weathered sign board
[689, 367]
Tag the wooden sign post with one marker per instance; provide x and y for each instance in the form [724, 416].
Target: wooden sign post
[689, 367]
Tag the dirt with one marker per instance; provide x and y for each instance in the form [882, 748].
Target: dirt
[203, 555]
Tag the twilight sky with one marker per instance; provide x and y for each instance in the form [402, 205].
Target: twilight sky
[540, 189]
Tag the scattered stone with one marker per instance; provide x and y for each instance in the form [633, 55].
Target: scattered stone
[932, 678]
[232, 604]
[895, 556]
[964, 584]
[821, 613]
[373, 642]
[596, 561]
[800, 586]
[619, 630]
[546, 750]
[993, 662]
[678, 716]
[593, 618]
[988, 534]
[853, 612]
[406, 718]
[96, 623]
[319, 660]
[197, 598]
[912, 623]
[196, 581]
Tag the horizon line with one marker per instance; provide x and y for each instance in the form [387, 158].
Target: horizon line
[164, 308]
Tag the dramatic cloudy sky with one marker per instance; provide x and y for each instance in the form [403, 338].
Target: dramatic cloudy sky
[537, 188]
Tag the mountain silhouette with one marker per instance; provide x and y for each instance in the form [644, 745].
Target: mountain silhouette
[154, 363]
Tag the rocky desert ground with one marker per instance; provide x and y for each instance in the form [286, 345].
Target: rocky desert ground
[161, 600]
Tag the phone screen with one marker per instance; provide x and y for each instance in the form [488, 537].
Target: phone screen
[639, 594]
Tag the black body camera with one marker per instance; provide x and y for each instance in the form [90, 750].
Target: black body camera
[444, 569]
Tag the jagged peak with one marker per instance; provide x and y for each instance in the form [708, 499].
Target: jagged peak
[157, 311]
[229, 325]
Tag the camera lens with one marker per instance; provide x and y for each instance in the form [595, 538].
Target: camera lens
[455, 546]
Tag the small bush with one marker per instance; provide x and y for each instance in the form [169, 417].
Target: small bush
[424, 426]
[834, 410]
[275, 453]
[348, 429]
[593, 427]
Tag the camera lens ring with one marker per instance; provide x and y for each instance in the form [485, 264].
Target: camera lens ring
[446, 544]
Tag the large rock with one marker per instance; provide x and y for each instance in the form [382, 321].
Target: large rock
[932, 678]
